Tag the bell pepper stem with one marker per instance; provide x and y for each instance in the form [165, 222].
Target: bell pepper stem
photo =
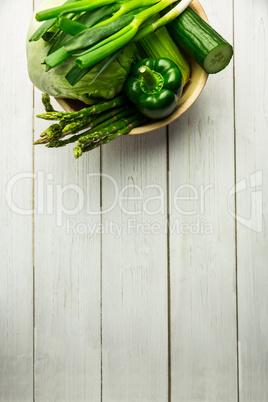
[150, 78]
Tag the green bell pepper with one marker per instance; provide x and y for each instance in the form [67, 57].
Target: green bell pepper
[154, 86]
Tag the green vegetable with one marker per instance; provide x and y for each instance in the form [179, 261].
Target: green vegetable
[109, 133]
[92, 110]
[70, 27]
[81, 6]
[89, 19]
[105, 122]
[201, 41]
[47, 103]
[51, 36]
[160, 44]
[76, 73]
[130, 32]
[104, 130]
[40, 32]
[98, 123]
[94, 35]
[43, 29]
[164, 20]
[154, 86]
[72, 123]
[111, 34]
[85, 38]
[53, 82]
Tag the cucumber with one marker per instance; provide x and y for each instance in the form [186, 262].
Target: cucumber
[201, 41]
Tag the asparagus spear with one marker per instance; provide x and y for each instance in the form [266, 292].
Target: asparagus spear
[95, 109]
[98, 123]
[108, 120]
[51, 115]
[129, 125]
[47, 103]
[99, 131]
[125, 130]
[78, 125]
[57, 131]
[99, 108]
[52, 132]
[86, 140]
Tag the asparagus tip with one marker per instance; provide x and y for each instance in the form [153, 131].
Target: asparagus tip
[41, 141]
[77, 152]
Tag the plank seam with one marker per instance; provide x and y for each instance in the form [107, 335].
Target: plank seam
[235, 208]
[101, 284]
[168, 271]
[33, 243]
[33, 232]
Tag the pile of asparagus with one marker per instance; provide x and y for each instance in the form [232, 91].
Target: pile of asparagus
[90, 127]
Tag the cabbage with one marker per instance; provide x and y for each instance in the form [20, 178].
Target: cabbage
[54, 83]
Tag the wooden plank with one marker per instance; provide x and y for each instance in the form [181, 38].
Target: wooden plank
[252, 196]
[202, 240]
[67, 274]
[134, 270]
[16, 281]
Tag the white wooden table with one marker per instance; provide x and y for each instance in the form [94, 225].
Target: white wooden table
[112, 306]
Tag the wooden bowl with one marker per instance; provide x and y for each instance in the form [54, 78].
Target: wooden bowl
[190, 93]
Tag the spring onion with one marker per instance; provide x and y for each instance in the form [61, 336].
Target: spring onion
[126, 21]
[40, 32]
[89, 19]
[128, 33]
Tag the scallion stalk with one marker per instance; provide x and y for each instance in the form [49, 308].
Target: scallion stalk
[86, 38]
[77, 73]
[42, 29]
[128, 7]
[47, 25]
[81, 6]
[70, 27]
[132, 21]
[168, 17]
[108, 46]
[121, 38]
[89, 19]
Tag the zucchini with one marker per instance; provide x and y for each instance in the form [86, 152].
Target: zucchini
[201, 41]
